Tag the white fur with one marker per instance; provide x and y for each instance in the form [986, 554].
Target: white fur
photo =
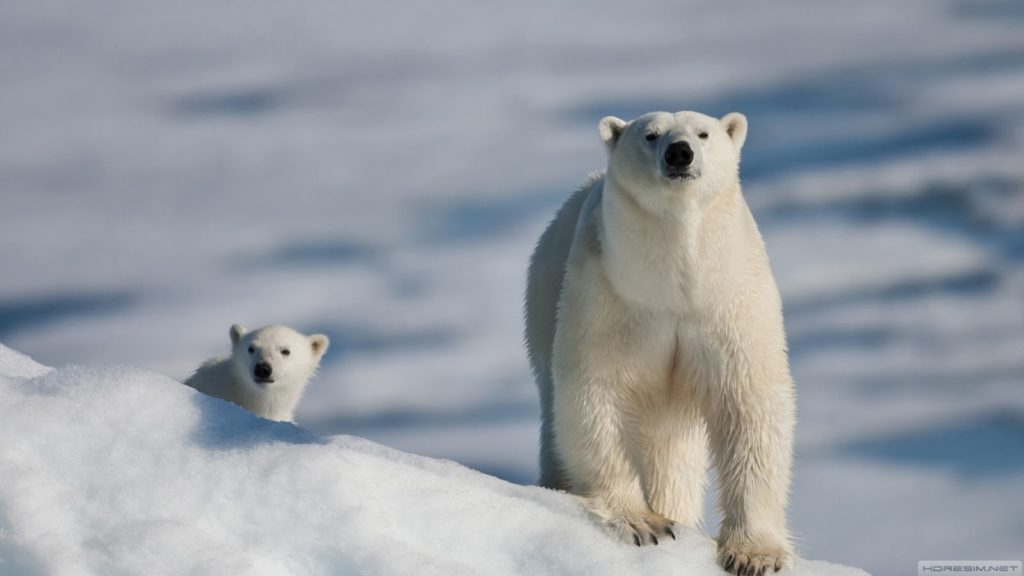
[654, 329]
[232, 377]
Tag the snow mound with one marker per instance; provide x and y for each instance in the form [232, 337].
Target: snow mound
[121, 471]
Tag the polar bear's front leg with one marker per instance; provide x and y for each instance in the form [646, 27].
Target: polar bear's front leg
[589, 438]
[675, 465]
[609, 361]
[751, 441]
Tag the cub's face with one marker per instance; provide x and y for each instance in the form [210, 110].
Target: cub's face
[276, 356]
[661, 156]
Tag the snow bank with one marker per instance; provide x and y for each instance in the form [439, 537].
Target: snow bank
[121, 471]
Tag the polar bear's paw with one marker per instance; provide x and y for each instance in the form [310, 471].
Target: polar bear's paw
[746, 557]
[641, 528]
[638, 526]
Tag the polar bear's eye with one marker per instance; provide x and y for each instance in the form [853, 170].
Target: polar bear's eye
[652, 137]
[703, 135]
[285, 352]
[252, 350]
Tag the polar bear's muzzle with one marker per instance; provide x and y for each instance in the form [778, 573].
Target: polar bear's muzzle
[263, 373]
[678, 162]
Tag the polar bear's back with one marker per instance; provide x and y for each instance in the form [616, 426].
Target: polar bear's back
[544, 280]
[543, 290]
[215, 377]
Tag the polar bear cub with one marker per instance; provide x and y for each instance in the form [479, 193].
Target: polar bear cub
[654, 329]
[267, 371]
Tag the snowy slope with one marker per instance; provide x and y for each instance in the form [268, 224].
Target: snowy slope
[122, 471]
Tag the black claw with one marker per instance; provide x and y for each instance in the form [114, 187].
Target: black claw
[636, 539]
[729, 561]
[670, 532]
[762, 569]
[655, 538]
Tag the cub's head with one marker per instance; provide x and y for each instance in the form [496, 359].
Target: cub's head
[276, 356]
[661, 155]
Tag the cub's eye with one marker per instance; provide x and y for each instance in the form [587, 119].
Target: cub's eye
[703, 135]
[252, 350]
[652, 137]
[285, 352]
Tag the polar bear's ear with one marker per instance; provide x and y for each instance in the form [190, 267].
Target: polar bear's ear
[237, 331]
[610, 129]
[735, 125]
[319, 343]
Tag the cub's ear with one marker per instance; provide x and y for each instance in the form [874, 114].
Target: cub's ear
[319, 343]
[735, 125]
[610, 129]
[237, 331]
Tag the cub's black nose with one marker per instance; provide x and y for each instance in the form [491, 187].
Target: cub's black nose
[678, 155]
[262, 371]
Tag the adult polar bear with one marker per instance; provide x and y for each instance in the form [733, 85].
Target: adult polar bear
[654, 329]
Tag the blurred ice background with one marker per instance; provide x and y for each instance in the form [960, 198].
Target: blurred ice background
[379, 171]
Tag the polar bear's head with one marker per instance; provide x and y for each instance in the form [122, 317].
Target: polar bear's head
[276, 356]
[660, 155]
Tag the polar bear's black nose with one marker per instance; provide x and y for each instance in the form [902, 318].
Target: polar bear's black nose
[262, 370]
[678, 155]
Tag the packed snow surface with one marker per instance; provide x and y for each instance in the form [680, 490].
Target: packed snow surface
[117, 470]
